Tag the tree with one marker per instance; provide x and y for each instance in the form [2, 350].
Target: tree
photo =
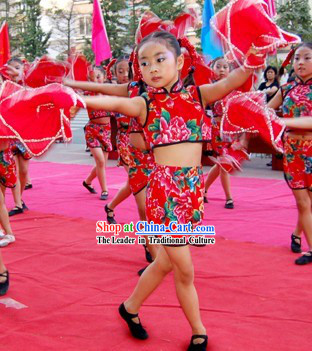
[63, 24]
[294, 16]
[114, 13]
[11, 10]
[219, 4]
[34, 41]
[166, 9]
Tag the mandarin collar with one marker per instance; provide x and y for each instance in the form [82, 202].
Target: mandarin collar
[176, 88]
[300, 81]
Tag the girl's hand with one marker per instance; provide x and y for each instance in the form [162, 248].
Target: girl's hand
[254, 59]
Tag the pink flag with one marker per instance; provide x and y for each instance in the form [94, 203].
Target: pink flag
[100, 43]
[271, 10]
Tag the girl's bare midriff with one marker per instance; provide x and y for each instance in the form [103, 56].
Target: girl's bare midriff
[138, 141]
[179, 155]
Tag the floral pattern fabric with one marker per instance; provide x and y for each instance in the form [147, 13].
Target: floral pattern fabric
[180, 198]
[140, 167]
[176, 116]
[297, 163]
[7, 169]
[19, 149]
[98, 135]
[297, 160]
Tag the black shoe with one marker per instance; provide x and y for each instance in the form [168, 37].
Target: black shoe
[229, 204]
[89, 187]
[140, 272]
[4, 286]
[16, 210]
[198, 347]
[304, 259]
[295, 244]
[136, 329]
[269, 164]
[28, 186]
[110, 218]
[148, 255]
[24, 206]
[205, 199]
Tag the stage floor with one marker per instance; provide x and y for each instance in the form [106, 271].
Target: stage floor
[65, 289]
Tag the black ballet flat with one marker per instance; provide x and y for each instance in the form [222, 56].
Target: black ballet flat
[148, 255]
[304, 259]
[198, 347]
[295, 244]
[136, 329]
[110, 215]
[4, 286]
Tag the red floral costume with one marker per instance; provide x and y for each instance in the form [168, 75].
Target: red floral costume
[98, 134]
[19, 149]
[174, 193]
[141, 161]
[122, 139]
[7, 169]
[297, 161]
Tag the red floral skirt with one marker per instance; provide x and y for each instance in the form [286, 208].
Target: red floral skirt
[7, 169]
[140, 167]
[122, 143]
[98, 135]
[175, 194]
[297, 163]
[19, 149]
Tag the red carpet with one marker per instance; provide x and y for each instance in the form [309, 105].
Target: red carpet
[252, 296]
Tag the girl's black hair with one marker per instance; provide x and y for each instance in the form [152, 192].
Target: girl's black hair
[268, 69]
[304, 45]
[171, 42]
[15, 59]
[100, 68]
[120, 59]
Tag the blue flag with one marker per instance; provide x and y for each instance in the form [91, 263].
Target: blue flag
[210, 45]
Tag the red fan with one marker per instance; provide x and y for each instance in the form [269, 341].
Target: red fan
[235, 25]
[79, 68]
[36, 116]
[202, 74]
[44, 71]
[150, 23]
[249, 113]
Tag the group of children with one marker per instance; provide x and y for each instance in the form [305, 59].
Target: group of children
[162, 124]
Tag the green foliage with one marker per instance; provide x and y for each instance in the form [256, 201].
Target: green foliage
[294, 16]
[219, 4]
[87, 50]
[33, 40]
[166, 9]
[114, 13]
[13, 16]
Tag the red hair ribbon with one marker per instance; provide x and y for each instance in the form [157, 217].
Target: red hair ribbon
[108, 69]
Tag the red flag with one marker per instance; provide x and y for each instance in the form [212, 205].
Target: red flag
[100, 43]
[4, 44]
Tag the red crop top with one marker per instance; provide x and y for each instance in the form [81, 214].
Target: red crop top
[175, 117]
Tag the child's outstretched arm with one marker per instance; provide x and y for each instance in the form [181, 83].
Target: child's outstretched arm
[135, 107]
[104, 88]
[216, 91]
[276, 102]
[298, 123]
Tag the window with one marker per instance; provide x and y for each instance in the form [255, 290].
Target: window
[85, 25]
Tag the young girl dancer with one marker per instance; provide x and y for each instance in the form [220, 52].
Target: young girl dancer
[7, 180]
[98, 139]
[22, 156]
[296, 101]
[132, 147]
[222, 70]
[172, 117]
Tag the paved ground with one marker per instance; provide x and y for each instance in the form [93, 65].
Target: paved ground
[75, 153]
